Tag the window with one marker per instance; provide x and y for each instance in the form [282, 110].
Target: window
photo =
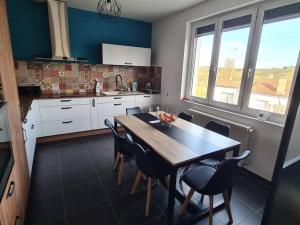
[204, 46]
[233, 46]
[275, 66]
[246, 61]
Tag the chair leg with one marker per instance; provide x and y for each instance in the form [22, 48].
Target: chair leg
[201, 200]
[186, 202]
[227, 205]
[117, 160]
[136, 182]
[148, 196]
[120, 174]
[211, 206]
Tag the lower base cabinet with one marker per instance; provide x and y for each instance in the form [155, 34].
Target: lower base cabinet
[66, 126]
[10, 209]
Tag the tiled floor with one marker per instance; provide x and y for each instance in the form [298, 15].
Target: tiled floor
[73, 184]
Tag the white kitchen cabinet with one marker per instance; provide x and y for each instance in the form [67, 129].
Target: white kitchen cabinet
[62, 116]
[94, 114]
[66, 126]
[108, 107]
[125, 55]
[53, 113]
[114, 108]
[64, 102]
[31, 129]
[146, 101]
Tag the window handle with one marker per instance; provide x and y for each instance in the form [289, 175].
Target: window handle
[251, 72]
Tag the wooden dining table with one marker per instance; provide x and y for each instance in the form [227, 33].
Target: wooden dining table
[181, 144]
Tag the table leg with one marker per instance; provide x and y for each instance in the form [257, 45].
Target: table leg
[172, 195]
[116, 129]
[235, 151]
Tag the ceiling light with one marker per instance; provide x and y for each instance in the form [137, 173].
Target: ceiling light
[109, 10]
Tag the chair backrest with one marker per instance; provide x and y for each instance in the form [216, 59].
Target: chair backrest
[219, 128]
[109, 124]
[119, 142]
[185, 116]
[146, 160]
[134, 110]
[222, 179]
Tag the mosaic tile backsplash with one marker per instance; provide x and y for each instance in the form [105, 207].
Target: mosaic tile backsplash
[74, 78]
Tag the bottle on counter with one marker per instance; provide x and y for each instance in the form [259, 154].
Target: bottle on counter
[97, 86]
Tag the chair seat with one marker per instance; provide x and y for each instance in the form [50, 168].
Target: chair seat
[154, 167]
[198, 178]
[125, 148]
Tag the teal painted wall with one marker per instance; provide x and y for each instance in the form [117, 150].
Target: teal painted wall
[29, 28]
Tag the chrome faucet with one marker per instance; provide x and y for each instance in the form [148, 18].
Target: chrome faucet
[118, 84]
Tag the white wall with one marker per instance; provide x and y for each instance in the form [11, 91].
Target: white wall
[168, 47]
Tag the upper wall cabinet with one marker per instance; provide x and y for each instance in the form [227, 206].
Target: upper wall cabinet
[125, 55]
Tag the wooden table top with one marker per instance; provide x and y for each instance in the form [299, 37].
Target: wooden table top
[174, 151]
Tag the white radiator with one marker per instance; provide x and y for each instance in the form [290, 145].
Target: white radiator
[239, 132]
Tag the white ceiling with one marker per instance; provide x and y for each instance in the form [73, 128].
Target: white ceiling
[146, 10]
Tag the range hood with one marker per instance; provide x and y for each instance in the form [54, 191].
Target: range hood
[59, 31]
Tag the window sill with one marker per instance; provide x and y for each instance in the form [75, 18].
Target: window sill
[234, 113]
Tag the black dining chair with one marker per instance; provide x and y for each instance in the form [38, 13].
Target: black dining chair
[185, 116]
[221, 129]
[123, 150]
[211, 181]
[134, 110]
[149, 165]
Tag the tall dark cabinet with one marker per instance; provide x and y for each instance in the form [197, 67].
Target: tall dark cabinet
[284, 201]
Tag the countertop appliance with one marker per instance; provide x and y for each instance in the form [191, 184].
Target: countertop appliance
[6, 153]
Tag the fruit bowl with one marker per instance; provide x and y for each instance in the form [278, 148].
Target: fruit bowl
[167, 118]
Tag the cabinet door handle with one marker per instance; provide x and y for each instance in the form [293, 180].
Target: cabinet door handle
[117, 104]
[32, 126]
[66, 122]
[117, 97]
[128, 63]
[25, 134]
[11, 189]
[65, 100]
[93, 102]
[18, 220]
[147, 96]
[25, 120]
[66, 107]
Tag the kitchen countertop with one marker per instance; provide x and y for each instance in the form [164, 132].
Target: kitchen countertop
[26, 100]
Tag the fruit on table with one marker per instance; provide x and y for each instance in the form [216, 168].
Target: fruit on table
[167, 117]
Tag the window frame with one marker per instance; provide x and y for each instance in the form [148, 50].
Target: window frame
[274, 117]
[192, 56]
[257, 11]
[224, 105]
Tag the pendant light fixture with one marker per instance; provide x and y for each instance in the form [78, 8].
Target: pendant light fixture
[109, 9]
